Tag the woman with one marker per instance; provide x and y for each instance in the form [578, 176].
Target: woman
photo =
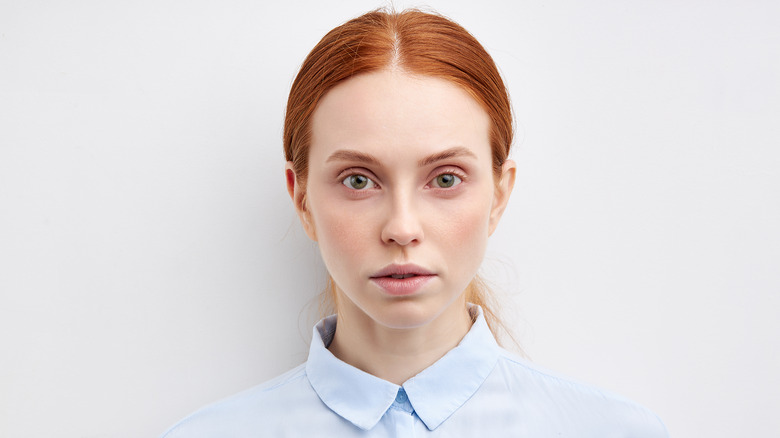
[397, 133]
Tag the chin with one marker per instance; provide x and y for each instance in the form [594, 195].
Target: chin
[406, 313]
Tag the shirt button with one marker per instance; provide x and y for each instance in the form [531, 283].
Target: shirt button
[401, 396]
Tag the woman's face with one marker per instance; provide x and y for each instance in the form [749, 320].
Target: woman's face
[401, 195]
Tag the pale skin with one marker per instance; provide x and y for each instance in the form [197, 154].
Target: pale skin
[400, 174]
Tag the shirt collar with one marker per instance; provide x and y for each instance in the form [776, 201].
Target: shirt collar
[435, 393]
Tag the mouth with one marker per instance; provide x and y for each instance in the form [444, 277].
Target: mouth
[402, 279]
[402, 276]
[402, 271]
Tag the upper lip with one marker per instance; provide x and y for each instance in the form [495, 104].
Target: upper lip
[405, 269]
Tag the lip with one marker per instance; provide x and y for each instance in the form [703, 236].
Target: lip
[417, 278]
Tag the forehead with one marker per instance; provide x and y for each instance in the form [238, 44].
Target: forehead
[388, 112]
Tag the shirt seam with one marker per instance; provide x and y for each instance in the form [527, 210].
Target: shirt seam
[293, 377]
[586, 387]
[580, 386]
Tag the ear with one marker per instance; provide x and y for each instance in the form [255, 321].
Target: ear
[298, 195]
[501, 193]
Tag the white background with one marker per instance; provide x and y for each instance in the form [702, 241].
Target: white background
[150, 261]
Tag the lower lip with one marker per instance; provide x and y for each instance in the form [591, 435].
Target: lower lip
[402, 286]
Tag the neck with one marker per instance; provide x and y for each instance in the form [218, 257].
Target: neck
[397, 354]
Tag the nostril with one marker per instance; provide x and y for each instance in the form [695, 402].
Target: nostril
[402, 229]
[402, 239]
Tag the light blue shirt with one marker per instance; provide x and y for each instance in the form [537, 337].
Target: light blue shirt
[477, 389]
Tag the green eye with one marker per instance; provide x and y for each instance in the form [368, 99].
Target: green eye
[446, 180]
[357, 182]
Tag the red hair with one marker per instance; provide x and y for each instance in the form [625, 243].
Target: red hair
[412, 41]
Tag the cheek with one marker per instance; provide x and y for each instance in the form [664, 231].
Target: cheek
[333, 227]
[462, 230]
[342, 236]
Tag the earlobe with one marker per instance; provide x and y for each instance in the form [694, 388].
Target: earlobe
[298, 197]
[501, 194]
[289, 176]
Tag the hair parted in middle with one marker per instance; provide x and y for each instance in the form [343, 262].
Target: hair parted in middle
[411, 41]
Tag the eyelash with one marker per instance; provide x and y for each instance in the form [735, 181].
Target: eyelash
[370, 183]
[350, 173]
[460, 178]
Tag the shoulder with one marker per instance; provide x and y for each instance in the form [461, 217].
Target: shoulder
[250, 410]
[583, 406]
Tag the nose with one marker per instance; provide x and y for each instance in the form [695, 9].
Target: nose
[402, 224]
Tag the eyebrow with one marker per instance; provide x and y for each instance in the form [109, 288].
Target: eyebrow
[352, 155]
[457, 151]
